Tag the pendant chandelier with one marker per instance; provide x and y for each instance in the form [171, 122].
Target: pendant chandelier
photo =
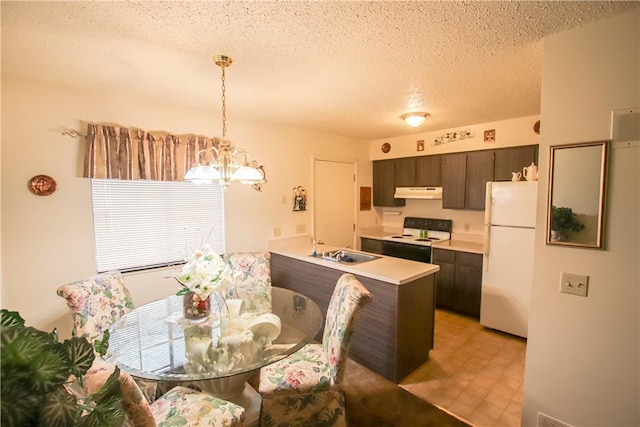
[225, 164]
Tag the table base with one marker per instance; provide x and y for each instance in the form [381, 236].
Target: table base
[251, 401]
[236, 389]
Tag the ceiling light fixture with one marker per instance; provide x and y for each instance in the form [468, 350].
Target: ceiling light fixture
[225, 164]
[415, 119]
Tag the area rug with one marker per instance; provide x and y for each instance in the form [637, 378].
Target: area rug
[372, 400]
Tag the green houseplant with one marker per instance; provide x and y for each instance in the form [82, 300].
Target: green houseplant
[563, 220]
[36, 367]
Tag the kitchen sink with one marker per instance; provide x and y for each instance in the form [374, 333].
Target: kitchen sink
[344, 256]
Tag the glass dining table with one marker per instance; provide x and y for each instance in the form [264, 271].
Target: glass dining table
[218, 355]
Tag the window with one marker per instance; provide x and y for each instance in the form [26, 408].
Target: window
[145, 224]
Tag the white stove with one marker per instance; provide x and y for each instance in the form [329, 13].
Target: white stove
[416, 239]
[412, 236]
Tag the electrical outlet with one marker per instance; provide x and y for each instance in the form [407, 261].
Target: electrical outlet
[284, 199]
[277, 232]
[301, 228]
[575, 284]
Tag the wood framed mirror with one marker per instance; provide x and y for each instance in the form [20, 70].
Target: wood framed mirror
[577, 182]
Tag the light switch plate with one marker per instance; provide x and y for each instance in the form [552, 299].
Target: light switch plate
[575, 284]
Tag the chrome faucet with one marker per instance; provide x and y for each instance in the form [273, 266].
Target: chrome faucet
[335, 255]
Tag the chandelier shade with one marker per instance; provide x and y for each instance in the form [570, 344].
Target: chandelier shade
[225, 164]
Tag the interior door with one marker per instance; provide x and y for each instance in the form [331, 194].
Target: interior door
[334, 202]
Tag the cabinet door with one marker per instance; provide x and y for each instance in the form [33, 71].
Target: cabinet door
[454, 175]
[371, 245]
[405, 172]
[445, 278]
[428, 171]
[468, 286]
[383, 184]
[479, 172]
[513, 159]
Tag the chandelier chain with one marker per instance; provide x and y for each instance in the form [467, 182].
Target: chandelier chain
[224, 107]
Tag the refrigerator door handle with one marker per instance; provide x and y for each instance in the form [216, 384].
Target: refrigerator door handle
[487, 239]
[488, 203]
[487, 224]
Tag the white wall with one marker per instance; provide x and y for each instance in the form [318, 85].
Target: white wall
[583, 354]
[508, 133]
[48, 241]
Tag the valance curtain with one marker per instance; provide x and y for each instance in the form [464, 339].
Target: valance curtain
[130, 154]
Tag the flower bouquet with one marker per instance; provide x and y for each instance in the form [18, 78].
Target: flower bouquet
[202, 276]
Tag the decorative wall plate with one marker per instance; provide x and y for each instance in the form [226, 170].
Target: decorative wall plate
[42, 185]
[536, 127]
[386, 147]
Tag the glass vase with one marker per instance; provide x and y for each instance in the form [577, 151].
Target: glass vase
[194, 308]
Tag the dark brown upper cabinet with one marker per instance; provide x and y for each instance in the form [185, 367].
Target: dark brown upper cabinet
[428, 171]
[464, 178]
[454, 176]
[383, 184]
[479, 172]
[404, 172]
[513, 159]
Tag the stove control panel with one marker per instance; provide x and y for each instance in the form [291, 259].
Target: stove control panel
[429, 224]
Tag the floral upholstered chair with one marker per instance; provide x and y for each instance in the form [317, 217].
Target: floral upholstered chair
[95, 303]
[305, 388]
[251, 280]
[180, 406]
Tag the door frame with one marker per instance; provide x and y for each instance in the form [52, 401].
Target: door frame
[354, 210]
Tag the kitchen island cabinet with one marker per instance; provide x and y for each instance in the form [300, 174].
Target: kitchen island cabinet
[395, 331]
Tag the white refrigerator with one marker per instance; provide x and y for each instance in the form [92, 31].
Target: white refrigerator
[509, 231]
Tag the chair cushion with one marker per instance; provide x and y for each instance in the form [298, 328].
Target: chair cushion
[306, 370]
[325, 408]
[184, 406]
[137, 409]
[252, 281]
[95, 303]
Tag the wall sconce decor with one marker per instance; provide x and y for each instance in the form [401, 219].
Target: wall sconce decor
[299, 198]
[453, 136]
[415, 119]
[226, 164]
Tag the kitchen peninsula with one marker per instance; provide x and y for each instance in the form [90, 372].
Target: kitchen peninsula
[395, 331]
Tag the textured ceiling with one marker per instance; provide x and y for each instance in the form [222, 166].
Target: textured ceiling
[351, 68]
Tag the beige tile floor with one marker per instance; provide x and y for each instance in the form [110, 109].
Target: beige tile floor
[473, 372]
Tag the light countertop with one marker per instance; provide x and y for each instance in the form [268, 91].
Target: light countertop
[473, 244]
[379, 232]
[460, 245]
[387, 269]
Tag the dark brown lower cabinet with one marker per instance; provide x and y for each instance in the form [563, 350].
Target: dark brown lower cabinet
[459, 281]
[371, 245]
[394, 333]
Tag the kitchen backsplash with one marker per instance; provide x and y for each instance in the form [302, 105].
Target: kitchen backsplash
[466, 223]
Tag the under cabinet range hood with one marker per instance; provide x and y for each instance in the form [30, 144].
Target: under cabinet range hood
[418, 193]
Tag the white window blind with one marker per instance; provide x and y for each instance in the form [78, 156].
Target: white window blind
[145, 224]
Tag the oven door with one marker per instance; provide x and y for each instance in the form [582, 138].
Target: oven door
[407, 251]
